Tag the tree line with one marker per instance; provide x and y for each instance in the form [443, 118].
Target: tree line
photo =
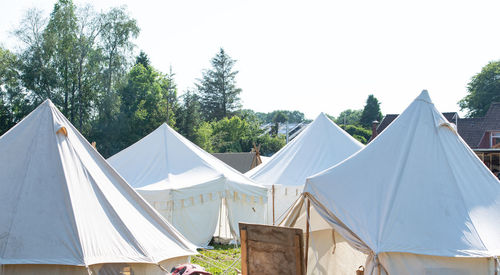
[83, 60]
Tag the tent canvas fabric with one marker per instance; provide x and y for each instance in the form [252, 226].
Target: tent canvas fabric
[416, 200]
[328, 251]
[321, 145]
[189, 186]
[63, 205]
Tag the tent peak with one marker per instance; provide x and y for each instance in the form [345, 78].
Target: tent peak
[424, 96]
[164, 126]
[48, 102]
[321, 115]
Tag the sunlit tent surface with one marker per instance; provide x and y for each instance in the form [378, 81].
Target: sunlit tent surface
[321, 145]
[189, 186]
[416, 200]
[64, 210]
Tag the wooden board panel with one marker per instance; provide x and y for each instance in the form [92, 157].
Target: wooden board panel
[271, 250]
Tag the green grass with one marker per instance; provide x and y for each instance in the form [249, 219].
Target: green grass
[219, 259]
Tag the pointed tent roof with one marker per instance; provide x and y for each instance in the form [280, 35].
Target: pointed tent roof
[318, 147]
[165, 159]
[63, 204]
[416, 188]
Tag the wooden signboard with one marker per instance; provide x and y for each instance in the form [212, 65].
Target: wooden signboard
[269, 249]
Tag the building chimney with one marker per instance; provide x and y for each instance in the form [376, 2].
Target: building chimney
[374, 129]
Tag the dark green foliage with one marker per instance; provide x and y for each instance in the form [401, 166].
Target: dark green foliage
[270, 145]
[189, 115]
[14, 104]
[358, 132]
[347, 117]
[279, 117]
[143, 59]
[143, 108]
[483, 89]
[235, 135]
[371, 112]
[293, 116]
[219, 95]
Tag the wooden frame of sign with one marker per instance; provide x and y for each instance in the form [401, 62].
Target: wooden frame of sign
[269, 249]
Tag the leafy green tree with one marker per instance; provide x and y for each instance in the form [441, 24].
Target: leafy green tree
[270, 145]
[37, 76]
[248, 115]
[371, 112]
[14, 103]
[170, 92]
[60, 44]
[229, 134]
[482, 90]
[88, 60]
[79, 59]
[204, 136]
[143, 103]
[189, 115]
[293, 116]
[279, 117]
[358, 132]
[217, 88]
[236, 134]
[348, 116]
[116, 43]
[115, 46]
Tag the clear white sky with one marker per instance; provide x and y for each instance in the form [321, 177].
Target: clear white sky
[314, 56]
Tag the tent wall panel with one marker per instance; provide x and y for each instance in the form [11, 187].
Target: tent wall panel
[409, 264]
[329, 253]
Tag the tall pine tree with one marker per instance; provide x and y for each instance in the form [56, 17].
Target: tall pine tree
[217, 88]
[371, 112]
[189, 115]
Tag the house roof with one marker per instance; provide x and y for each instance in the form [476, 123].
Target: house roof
[470, 129]
[386, 121]
[239, 161]
[451, 116]
[492, 117]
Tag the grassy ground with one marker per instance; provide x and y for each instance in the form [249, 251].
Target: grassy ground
[219, 259]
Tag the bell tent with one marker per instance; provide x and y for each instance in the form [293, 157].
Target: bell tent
[64, 210]
[321, 145]
[416, 200]
[199, 194]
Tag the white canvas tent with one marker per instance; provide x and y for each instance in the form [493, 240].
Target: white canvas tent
[189, 186]
[321, 145]
[416, 200]
[64, 210]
